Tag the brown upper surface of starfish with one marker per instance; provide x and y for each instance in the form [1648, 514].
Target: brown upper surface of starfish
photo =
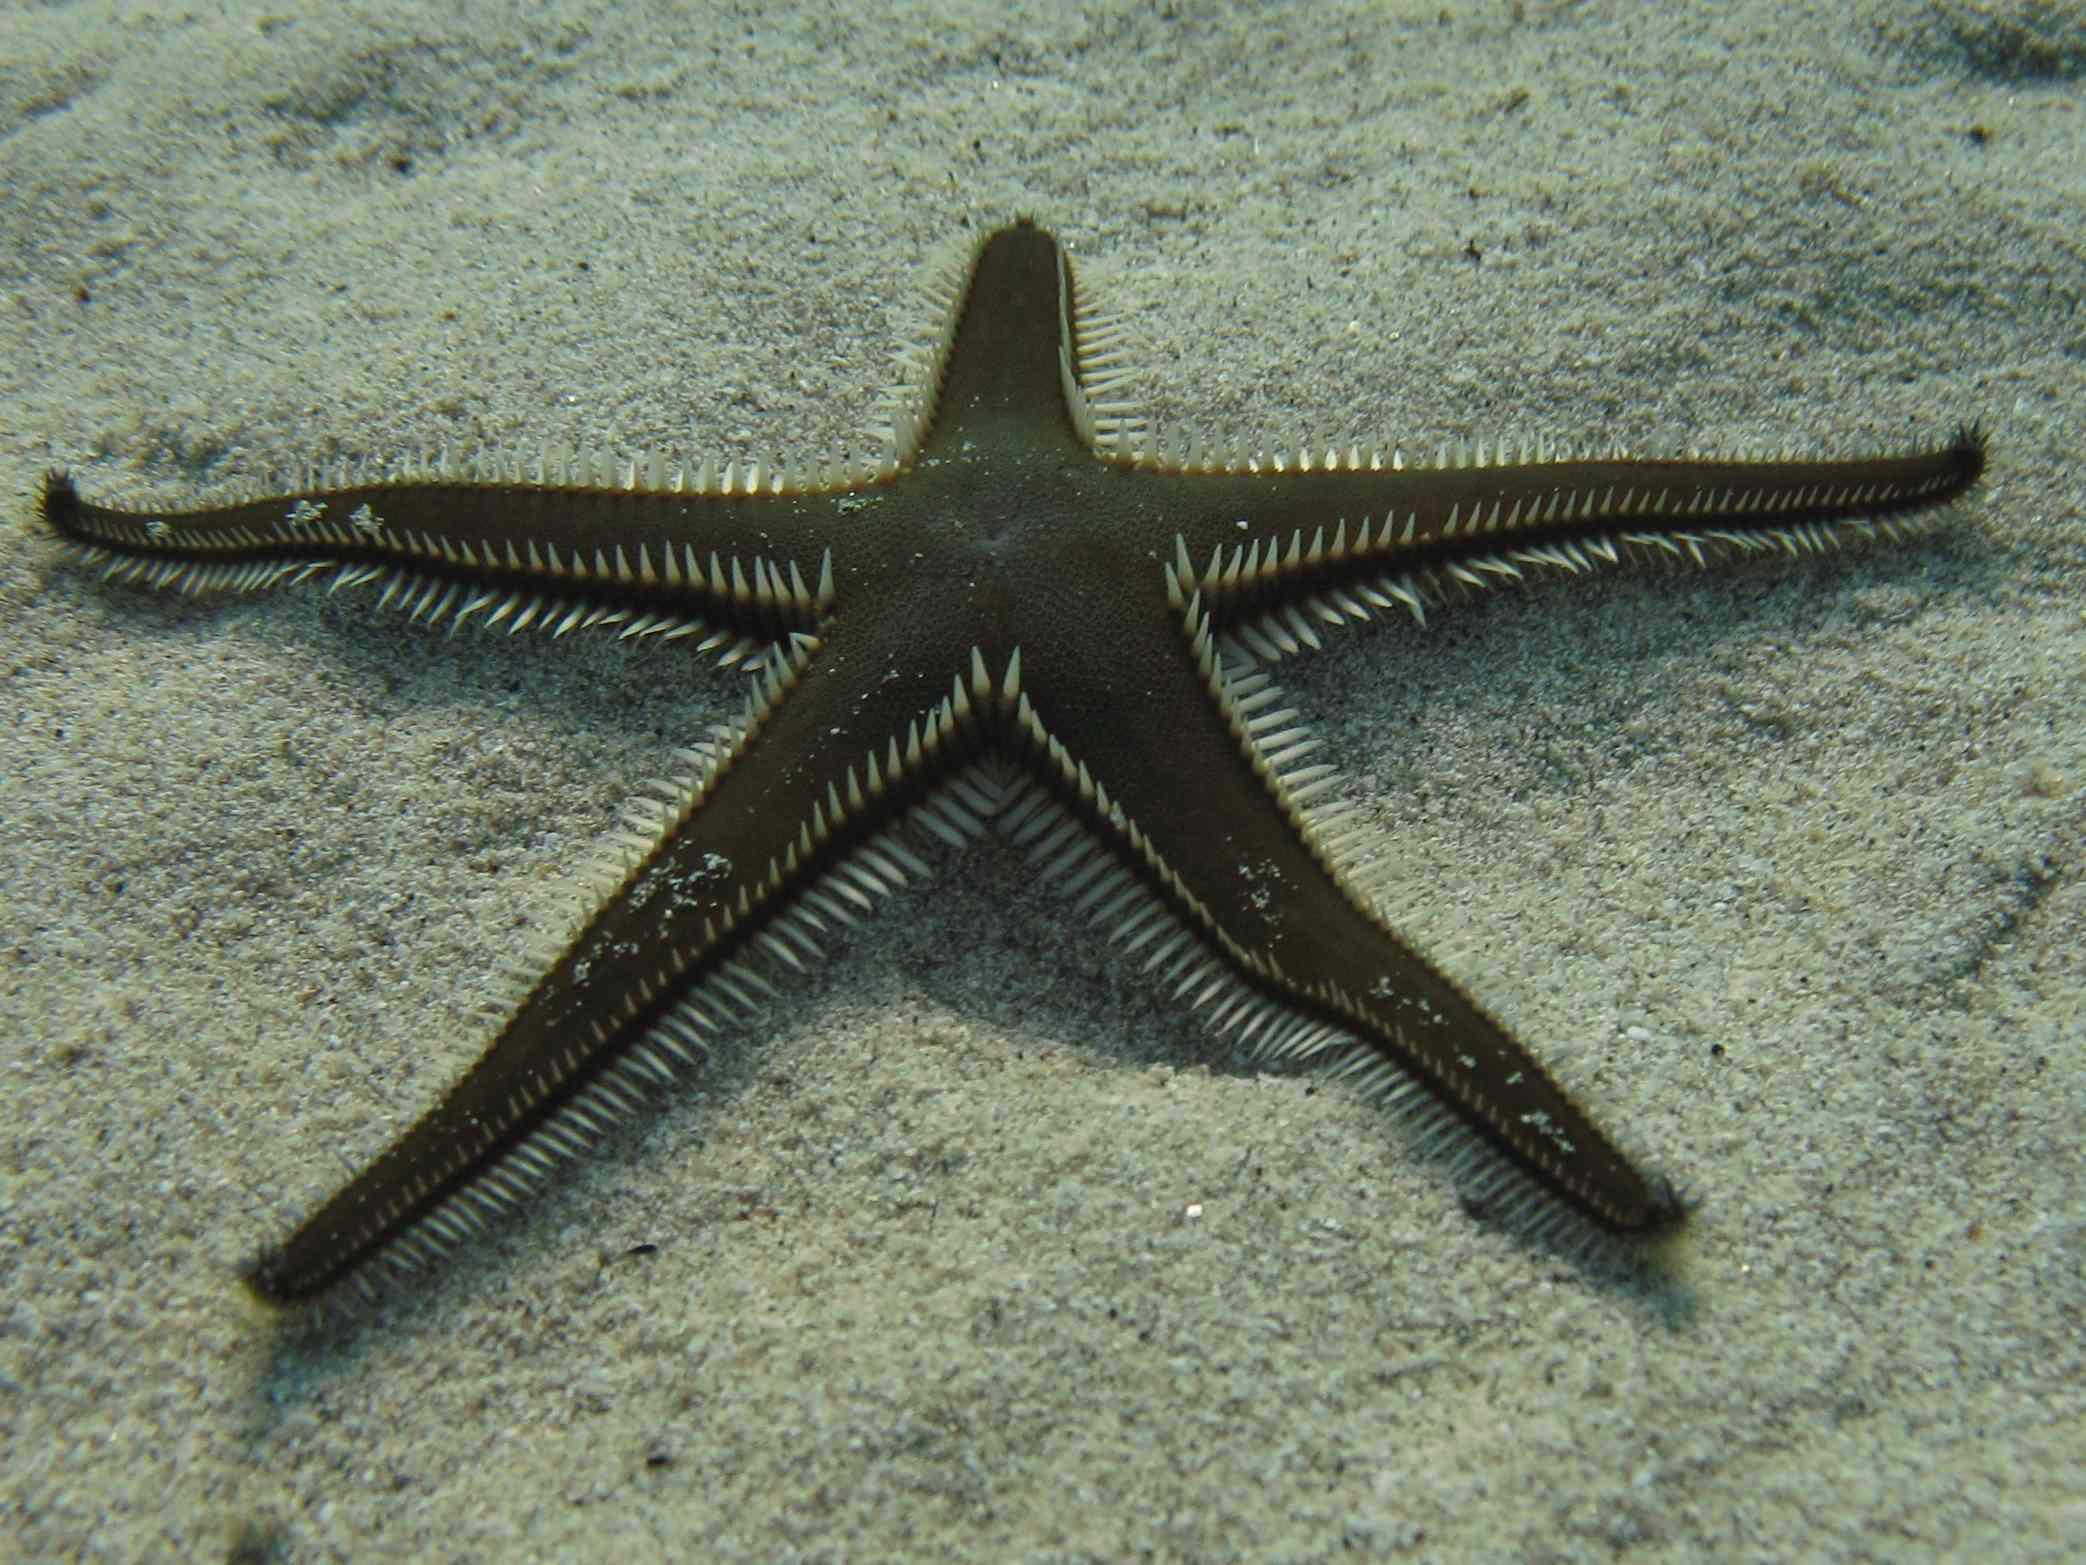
[1027, 618]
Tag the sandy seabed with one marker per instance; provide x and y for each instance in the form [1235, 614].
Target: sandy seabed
[973, 1248]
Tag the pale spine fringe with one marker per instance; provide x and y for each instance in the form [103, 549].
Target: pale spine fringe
[1127, 887]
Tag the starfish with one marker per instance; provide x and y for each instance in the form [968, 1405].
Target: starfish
[1026, 617]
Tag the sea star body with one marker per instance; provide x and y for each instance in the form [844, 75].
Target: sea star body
[1021, 619]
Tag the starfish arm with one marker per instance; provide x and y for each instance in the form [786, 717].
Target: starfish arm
[1278, 551]
[1247, 911]
[726, 882]
[735, 560]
